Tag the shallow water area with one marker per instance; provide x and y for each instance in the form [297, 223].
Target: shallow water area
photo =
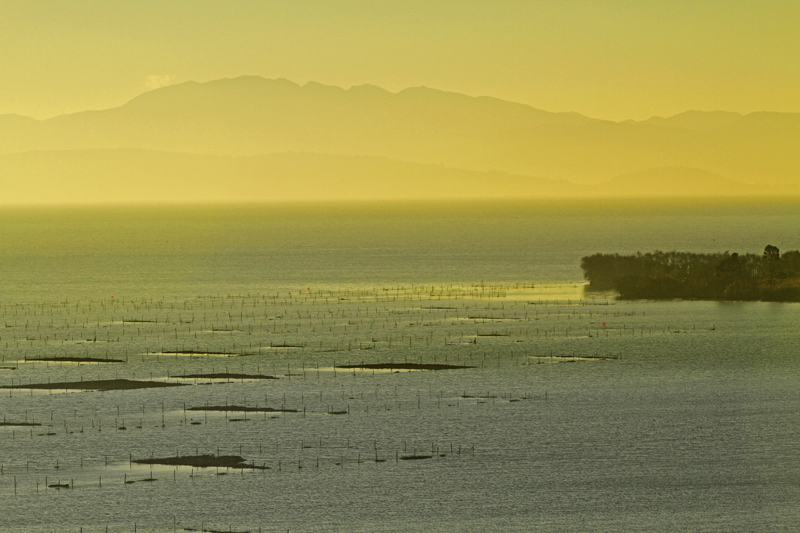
[580, 412]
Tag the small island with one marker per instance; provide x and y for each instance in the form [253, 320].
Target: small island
[769, 277]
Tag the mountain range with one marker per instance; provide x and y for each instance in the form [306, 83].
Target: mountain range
[251, 138]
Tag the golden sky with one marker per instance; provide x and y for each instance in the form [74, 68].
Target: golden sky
[606, 59]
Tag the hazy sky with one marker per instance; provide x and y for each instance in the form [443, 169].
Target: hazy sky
[613, 59]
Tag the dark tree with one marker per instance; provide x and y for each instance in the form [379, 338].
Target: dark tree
[660, 275]
[771, 257]
[772, 252]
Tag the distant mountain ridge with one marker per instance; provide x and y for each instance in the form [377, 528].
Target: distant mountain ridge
[671, 181]
[706, 120]
[98, 176]
[143, 176]
[252, 116]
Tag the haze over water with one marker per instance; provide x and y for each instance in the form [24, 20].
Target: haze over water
[184, 250]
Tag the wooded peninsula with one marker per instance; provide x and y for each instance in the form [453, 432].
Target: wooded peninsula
[769, 277]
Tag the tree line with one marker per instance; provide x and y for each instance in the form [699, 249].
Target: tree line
[771, 276]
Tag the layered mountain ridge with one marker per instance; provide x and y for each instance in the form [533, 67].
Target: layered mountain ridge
[390, 145]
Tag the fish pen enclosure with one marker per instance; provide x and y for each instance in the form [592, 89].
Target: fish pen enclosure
[187, 409]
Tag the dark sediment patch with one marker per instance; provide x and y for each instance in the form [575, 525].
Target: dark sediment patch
[196, 352]
[414, 457]
[4, 423]
[203, 461]
[406, 366]
[73, 360]
[284, 345]
[241, 409]
[206, 530]
[226, 375]
[58, 486]
[100, 385]
[492, 335]
[129, 481]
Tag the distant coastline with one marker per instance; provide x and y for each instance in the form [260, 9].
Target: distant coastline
[769, 277]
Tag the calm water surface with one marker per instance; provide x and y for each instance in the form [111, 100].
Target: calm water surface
[580, 412]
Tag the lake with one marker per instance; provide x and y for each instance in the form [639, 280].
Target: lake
[577, 411]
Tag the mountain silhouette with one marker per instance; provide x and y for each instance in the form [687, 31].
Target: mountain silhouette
[253, 116]
[141, 176]
[676, 181]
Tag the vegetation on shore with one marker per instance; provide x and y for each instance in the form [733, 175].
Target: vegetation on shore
[771, 276]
